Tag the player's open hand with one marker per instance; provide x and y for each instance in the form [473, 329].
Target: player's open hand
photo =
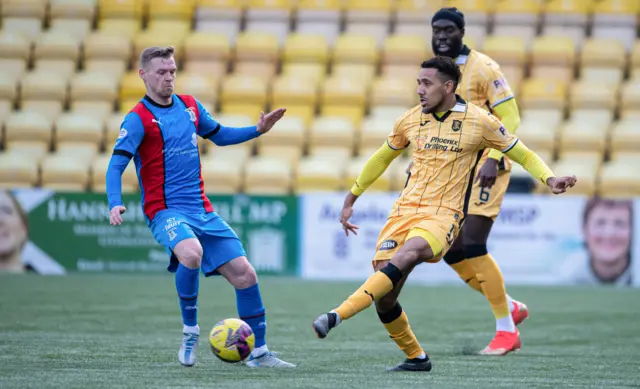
[561, 184]
[266, 122]
[488, 173]
[345, 215]
[115, 215]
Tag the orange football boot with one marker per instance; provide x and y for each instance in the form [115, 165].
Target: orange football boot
[503, 343]
[520, 313]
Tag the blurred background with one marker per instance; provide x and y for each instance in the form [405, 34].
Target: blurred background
[345, 70]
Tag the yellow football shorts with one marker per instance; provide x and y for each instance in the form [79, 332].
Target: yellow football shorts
[487, 202]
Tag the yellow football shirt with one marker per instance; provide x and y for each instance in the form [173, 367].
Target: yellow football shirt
[445, 152]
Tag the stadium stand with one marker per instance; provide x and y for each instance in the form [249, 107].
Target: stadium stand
[341, 67]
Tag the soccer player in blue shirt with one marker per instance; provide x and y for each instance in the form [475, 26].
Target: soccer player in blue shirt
[160, 134]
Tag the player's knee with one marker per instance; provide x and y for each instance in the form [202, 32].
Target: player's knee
[386, 303]
[189, 252]
[240, 273]
[390, 313]
[414, 253]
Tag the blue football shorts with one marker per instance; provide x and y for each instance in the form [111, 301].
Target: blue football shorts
[220, 244]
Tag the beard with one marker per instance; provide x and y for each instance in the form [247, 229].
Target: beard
[453, 52]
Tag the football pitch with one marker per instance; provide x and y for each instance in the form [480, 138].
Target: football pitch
[115, 331]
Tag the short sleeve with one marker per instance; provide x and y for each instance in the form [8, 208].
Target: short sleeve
[494, 134]
[131, 135]
[398, 139]
[498, 90]
[207, 125]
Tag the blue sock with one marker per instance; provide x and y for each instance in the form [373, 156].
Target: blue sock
[251, 311]
[187, 281]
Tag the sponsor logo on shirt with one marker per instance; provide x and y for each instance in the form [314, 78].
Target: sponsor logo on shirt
[123, 133]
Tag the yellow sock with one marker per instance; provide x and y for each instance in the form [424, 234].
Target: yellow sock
[490, 279]
[468, 274]
[378, 285]
[401, 333]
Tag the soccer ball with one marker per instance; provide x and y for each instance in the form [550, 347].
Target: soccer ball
[231, 340]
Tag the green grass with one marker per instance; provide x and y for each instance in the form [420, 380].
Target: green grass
[86, 331]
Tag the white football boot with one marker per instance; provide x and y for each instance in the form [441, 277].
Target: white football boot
[187, 352]
[267, 359]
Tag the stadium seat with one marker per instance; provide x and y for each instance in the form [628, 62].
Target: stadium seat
[580, 167]
[33, 149]
[476, 16]
[243, 94]
[107, 54]
[121, 9]
[221, 178]
[299, 95]
[305, 48]
[290, 133]
[353, 170]
[630, 96]
[206, 53]
[603, 60]
[402, 54]
[256, 54]
[586, 94]
[566, 18]
[389, 112]
[64, 172]
[220, 17]
[227, 155]
[27, 126]
[580, 135]
[553, 57]
[84, 151]
[619, 179]
[171, 10]
[238, 152]
[414, 17]
[548, 117]
[517, 18]
[18, 170]
[112, 129]
[358, 72]
[131, 87]
[170, 29]
[319, 17]
[201, 86]
[616, 19]
[336, 155]
[290, 154]
[368, 17]
[355, 49]
[43, 92]
[511, 55]
[148, 38]
[269, 17]
[332, 132]
[537, 135]
[345, 98]
[99, 174]
[29, 28]
[125, 28]
[267, 176]
[374, 132]
[58, 52]
[78, 128]
[312, 71]
[8, 88]
[74, 17]
[317, 174]
[15, 51]
[542, 93]
[93, 94]
[393, 92]
[625, 137]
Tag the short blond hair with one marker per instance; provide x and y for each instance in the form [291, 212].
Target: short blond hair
[155, 52]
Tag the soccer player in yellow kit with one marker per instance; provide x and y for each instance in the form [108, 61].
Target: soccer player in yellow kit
[484, 85]
[448, 137]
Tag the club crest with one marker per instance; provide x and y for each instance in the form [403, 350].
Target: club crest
[192, 114]
[456, 125]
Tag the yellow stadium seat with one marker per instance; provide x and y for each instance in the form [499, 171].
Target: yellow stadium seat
[6, 107]
[414, 17]
[92, 87]
[288, 132]
[200, 86]
[33, 149]
[120, 9]
[172, 9]
[548, 117]
[150, 38]
[99, 172]
[128, 104]
[299, 95]
[369, 17]
[221, 178]
[104, 46]
[113, 69]
[243, 90]
[311, 71]
[78, 128]
[28, 27]
[353, 170]
[593, 116]
[24, 8]
[206, 53]
[355, 49]
[228, 155]
[256, 54]
[393, 91]
[18, 170]
[98, 110]
[85, 151]
[374, 132]
[344, 97]
[388, 112]
[582, 136]
[336, 155]
[57, 51]
[290, 154]
[173, 29]
[64, 172]
[619, 179]
[306, 48]
[267, 176]
[567, 18]
[630, 96]
[112, 128]
[14, 46]
[542, 93]
[403, 52]
[355, 71]
[219, 16]
[74, 17]
[537, 135]
[314, 175]
[333, 132]
[27, 126]
[593, 94]
[553, 57]
[625, 137]
[603, 60]
[127, 28]
[131, 87]
[8, 88]
[616, 19]
[269, 17]
[517, 18]
[585, 173]
[506, 50]
[319, 18]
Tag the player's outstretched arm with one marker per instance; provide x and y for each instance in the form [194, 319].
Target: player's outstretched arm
[533, 164]
[373, 169]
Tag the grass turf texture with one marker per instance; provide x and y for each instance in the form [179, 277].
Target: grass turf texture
[111, 331]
